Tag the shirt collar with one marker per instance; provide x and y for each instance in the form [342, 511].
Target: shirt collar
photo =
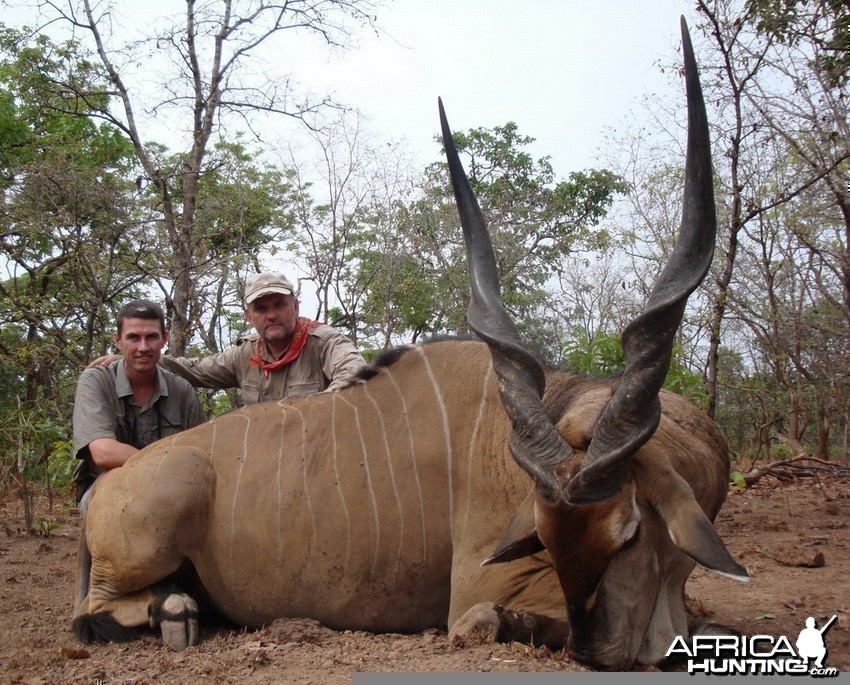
[266, 354]
[124, 389]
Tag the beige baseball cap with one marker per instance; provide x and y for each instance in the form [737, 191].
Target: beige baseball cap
[267, 283]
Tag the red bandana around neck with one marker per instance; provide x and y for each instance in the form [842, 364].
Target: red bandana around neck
[299, 339]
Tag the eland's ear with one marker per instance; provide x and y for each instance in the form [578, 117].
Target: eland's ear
[520, 537]
[694, 534]
[691, 531]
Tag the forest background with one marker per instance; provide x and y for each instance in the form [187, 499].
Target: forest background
[100, 206]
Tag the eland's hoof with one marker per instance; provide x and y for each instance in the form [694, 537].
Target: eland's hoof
[478, 626]
[177, 618]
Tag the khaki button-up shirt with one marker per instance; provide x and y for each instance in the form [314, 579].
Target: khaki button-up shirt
[328, 362]
[104, 408]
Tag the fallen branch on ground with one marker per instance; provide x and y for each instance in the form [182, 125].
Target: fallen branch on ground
[800, 466]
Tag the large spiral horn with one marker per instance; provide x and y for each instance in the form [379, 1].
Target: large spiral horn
[535, 444]
[632, 415]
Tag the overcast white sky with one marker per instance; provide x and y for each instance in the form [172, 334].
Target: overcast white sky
[563, 70]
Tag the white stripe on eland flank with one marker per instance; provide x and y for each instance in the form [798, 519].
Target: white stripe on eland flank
[306, 490]
[389, 373]
[446, 431]
[279, 565]
[375, 515]
[473, 439]
[236, 489]
[164, 457]
[339, 485]
[392, 476]
[203, 482]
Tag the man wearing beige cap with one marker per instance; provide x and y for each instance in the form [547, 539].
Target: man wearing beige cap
[288, 356]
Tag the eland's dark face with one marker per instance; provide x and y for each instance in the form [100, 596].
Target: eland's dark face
[622, 579]
[595, 549]
[622, 563]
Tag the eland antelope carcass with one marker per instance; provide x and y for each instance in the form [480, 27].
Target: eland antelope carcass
[372, 508]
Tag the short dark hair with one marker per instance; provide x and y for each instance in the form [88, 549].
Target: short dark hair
[141, 309]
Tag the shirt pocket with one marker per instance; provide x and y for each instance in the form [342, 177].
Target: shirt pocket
[301, 388]
[250, 392]
[124, 429]
[170, 422]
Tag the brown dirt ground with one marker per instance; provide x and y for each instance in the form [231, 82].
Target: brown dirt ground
[779, 531]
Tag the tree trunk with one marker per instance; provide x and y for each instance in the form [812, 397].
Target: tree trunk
[823, 422]
[796, 423]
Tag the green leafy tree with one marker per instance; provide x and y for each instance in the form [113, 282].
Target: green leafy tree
[67, 219]
[825, 24]
[210, 80]
[602, 355]
[68, 211]
[536, 222]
